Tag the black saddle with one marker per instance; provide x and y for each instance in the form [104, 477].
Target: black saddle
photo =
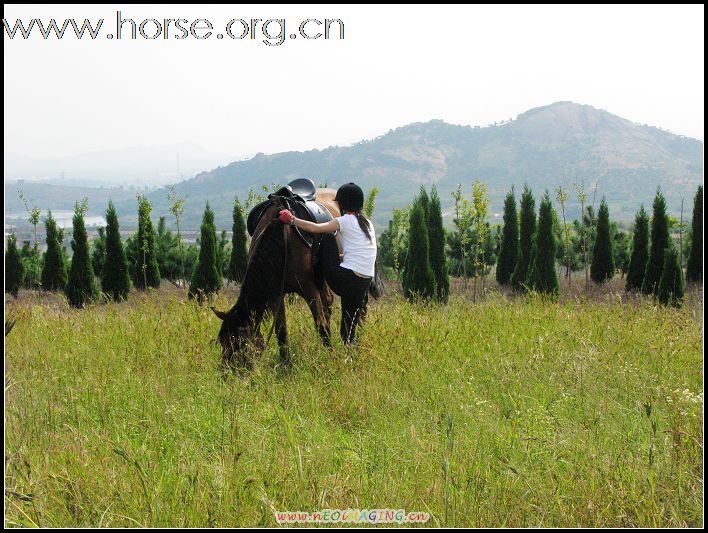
[299, 197]
[304, 188]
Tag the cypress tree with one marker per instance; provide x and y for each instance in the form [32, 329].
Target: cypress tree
[65, 252]
[14, 268]
[542, 275]
[602, 267]
[115, 279]
[81, 286]
[54, 275]
[436, 238]
[418, 278]
[509, 249]
[424, 202]
[640, 252]
[659, 242]
[694, 267]
[163, 246]
[98, 255]
[670, 291]
[239, 252]
[221, 260]
[206, 278]
[148, 271]
[526, 232]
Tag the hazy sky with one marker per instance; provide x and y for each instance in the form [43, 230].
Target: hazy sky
[395, 65]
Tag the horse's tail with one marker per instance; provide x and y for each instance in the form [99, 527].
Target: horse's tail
[376, 289]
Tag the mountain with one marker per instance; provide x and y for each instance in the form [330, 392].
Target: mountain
[544, 147]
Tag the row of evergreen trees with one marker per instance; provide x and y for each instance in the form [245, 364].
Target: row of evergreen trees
[425, 273]
[138, 262]
[527, 251]
[529, 247]
[655, 266]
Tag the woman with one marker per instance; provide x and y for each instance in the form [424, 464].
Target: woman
[351, 278]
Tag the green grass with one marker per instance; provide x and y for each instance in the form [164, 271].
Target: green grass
[500, 413]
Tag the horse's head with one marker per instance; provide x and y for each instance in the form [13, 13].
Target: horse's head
[238, 337]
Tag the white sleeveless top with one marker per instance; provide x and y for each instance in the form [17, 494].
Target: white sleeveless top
[359, 252]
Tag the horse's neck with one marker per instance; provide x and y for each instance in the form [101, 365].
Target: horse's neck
[258, 291]
[253, 297]
[247, 312]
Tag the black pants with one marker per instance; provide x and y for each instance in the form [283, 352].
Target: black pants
[352, 289]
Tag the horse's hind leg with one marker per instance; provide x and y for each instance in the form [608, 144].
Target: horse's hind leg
[321, 311]
[327, 300]
[281, 330]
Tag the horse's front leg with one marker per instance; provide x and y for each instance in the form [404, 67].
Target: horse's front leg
[281, 330]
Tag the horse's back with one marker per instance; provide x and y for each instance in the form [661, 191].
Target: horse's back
[326, 197]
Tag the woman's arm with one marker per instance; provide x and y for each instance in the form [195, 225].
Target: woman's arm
[324, 227]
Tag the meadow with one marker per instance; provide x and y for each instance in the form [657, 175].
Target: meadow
[507, 411]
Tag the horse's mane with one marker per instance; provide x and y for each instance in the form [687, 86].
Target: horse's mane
[262, 283]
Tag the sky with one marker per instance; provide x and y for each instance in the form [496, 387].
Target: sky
[395, 65]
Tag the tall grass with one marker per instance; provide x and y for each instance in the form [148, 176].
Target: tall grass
[508, 412]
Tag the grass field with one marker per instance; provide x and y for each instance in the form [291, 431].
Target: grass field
[504, 412]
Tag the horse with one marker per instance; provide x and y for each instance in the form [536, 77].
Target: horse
[279, 263]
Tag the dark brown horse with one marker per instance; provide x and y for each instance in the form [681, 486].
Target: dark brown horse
[279, 263]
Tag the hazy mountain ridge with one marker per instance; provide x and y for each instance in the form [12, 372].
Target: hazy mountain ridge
[544, 147]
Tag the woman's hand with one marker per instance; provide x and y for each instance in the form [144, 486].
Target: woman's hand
[286, 217]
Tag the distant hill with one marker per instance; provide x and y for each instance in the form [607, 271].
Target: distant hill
[544, 147]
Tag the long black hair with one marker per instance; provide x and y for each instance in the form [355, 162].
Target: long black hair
[363, 224]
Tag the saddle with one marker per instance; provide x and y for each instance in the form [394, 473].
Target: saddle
[299, 197]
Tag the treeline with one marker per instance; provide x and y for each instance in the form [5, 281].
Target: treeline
[530, 251]
[113, 267]
[536, 251]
